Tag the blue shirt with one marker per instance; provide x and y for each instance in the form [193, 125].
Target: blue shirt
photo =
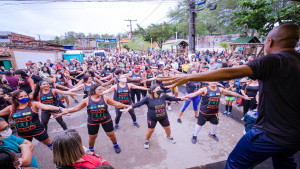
[12, 144]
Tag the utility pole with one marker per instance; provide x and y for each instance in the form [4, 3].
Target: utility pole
[151, 44]
[192, 28]
[176, 36]
[130, 26]
[120, 43]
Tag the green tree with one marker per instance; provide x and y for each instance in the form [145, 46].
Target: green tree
[159, 33]
[262, 15]
[138, 44]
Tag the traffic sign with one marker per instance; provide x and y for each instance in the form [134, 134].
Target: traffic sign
[106, 40]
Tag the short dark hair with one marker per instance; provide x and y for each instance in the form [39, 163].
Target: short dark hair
[7, 73]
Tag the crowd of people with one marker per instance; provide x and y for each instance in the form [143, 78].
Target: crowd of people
[135, 79]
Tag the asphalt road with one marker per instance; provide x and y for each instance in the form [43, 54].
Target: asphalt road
[206, 153]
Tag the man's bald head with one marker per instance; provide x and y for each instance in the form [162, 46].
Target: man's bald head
[285, 36]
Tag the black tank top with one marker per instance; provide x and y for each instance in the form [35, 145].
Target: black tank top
[49, 99]
[148, 83]
[24, 85]
[193, 86]
[27, 122]
[210, 102]
[61, 82]
[123, 94]
[97, 112]
[86, 90]
[136, 76]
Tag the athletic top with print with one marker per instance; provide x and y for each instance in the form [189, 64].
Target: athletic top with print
[27, 122]
[279, 90]
[210, 102]
[135, 76]
[49, 99]
[123, 94]
[149, 76]
[97, 111]
[156, 106]
[193, 86]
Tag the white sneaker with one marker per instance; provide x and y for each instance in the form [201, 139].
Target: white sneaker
[171, 140]
[146, 145]
[169, 108]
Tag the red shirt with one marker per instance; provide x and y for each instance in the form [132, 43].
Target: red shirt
[90, 161]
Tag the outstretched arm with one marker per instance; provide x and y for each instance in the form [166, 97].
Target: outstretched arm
[111, 89]
[216, 75]
[5, 111]
[115, 103]
[227, 92]
[197, 93]
[132, 86]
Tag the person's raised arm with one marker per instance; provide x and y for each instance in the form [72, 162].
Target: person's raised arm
[137, 104]
[80, 106]
[197, 93]
[227, 92]
[5, 111]
[115, 103]
[132, 86]
[31, 82]
[77, 88]
[110, 82]
[111, 89]
[216, 75]
[57, 91]
[39, 105]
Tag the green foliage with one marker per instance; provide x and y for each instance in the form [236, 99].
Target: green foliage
[261, 15]
[158, 32]
[224, 45]
[137, 44]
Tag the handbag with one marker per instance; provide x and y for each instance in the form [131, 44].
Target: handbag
[239, 101]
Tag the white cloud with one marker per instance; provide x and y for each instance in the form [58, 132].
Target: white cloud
[55, 18]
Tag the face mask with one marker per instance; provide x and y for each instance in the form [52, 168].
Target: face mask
[5, 134]
[159, 92]
[5, 82]
[24, 100]
[136, 71]
[124, 80]
[58, 76]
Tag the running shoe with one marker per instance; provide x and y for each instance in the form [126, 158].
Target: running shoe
[117, 149]
[116, 128]
[169, 108]
[213, 136]
[76, 101]
[242, 118]
[179, 121]
[225, 112]
[171, 140]
[194, 139]
[228, 114]
[136, 125]
[146, 145]
[196, 117]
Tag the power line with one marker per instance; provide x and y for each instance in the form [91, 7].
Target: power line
[130, 26]
[152, 12]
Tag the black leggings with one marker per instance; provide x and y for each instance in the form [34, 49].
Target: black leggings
[144, 93]
[136, 92]
[119, 114]
[249, 104]
[45, 119]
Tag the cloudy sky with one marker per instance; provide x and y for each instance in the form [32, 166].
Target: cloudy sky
[50, 19]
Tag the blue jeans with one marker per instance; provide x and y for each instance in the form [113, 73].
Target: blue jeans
[255, 147]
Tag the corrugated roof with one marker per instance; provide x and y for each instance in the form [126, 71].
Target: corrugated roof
[247, 40]
[178, 42]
